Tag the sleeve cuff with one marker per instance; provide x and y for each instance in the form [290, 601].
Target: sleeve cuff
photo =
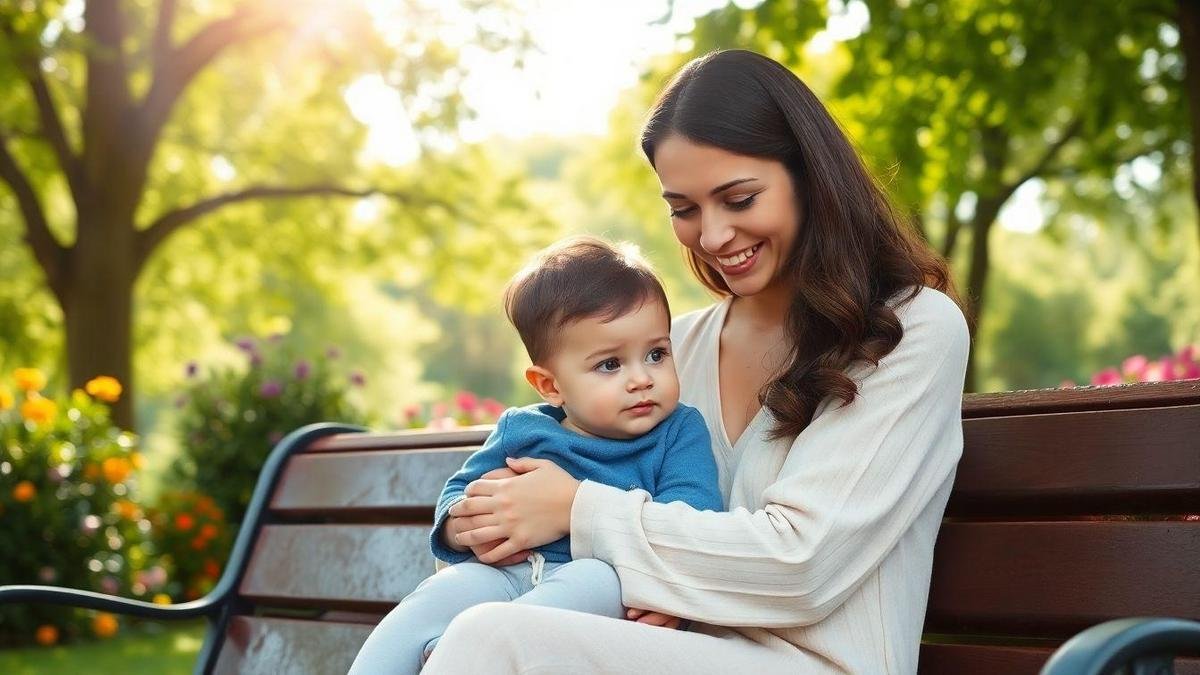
[591, 500]
[439, 549]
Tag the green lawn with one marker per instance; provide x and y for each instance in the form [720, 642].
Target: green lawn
[152, 649]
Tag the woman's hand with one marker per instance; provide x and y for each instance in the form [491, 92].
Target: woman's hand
[653, 618]
[455, 525]
[527, 511]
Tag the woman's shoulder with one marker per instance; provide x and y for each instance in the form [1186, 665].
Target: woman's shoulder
[932, 315]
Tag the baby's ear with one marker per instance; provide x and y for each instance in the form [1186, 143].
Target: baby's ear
[544, 384]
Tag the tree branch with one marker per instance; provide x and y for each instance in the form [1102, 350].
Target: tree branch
[50, 254]
[177, 67]
[161, 48]
[151, 237]
[48, 117]
[1039, 167]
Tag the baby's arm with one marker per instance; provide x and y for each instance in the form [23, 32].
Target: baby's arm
[689, 471]
[490, 456]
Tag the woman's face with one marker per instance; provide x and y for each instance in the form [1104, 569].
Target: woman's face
[739, 214]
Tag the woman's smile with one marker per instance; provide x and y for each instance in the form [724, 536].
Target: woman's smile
[740, 262]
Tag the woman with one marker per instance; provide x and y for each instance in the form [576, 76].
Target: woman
[830, 377]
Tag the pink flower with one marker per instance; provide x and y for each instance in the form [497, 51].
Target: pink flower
[466, 401]
[1187, 354]
[1107, 377]
[109, 585]
[438, 410]
[358, 379]
[1156, 371]
[411, 412]
[1134, 366]
[1192, 372]
[493, 408]
[270, 389]
[442, 423]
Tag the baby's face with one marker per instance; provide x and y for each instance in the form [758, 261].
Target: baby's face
[617, 379]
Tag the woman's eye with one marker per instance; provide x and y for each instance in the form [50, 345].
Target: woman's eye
[656, 355]
[682, 212]
[609, 365]
[743, 204]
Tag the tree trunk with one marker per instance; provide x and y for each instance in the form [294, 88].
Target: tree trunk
[986, 211]
[1189, 37]
[98, 310]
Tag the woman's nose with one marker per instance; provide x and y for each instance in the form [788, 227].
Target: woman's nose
[715, 231]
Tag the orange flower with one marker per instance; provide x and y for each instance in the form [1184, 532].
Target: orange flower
[209, 531]
[105, 388]
[6, 399]
[91, 472]
[199, 543]
[184, 522]
[127, 509]
[116, 469]
[29, 379]
[104, 625]
[46, 635]
[38, 410]
[212, 569]
[136, 459]
[24, 491]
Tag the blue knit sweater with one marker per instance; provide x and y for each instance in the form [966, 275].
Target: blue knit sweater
[673, 462]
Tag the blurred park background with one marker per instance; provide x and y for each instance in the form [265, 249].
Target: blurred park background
[222, 219]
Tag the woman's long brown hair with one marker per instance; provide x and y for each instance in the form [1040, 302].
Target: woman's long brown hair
[854, 254]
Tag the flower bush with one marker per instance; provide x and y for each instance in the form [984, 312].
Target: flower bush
[1138, 368]
[68, 505]
[192, 537]
[231, 418]
[466, 409]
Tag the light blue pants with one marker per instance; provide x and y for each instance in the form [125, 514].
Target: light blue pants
[403, 639]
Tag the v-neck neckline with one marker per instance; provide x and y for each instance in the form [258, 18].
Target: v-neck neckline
[715, 384]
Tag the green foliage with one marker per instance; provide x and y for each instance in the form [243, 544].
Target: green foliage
[231, 417]
[68, 483]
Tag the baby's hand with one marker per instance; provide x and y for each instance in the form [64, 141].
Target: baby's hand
[653, 618]
[480, 549]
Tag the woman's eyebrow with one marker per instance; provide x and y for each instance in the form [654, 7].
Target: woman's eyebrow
[720, 188]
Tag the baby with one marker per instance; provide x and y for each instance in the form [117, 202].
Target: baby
[596, 324]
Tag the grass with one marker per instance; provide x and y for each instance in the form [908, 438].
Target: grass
[152, 649]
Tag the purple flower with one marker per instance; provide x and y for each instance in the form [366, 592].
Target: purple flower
[247, 345]
[357, 378]
[109, 585]
[333, 353]
[302, 369]
[270, 389]
[255, 359]
[191, 369]
[275, 338]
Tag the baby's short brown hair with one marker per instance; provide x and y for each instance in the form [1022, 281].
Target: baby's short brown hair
[573, 279]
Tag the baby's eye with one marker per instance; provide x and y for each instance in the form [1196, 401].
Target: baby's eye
[609, 365]
[656, 355]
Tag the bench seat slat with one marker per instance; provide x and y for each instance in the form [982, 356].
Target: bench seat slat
[1052, 579]
[376, 481]
[365, 568]
[268, 646]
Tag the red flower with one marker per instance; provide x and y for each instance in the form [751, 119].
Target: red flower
[184, 522]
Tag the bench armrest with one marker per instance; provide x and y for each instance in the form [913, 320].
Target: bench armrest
[1104, 647]
[57, 595]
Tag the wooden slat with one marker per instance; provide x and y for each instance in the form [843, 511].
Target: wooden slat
[267, 646]
[402, 440]
[1053, 579]
[999, 660]
[1115, 461]
[404, 484]
[365, 568]
[1137, 395]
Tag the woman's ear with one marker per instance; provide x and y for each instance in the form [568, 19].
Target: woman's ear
[544, 384]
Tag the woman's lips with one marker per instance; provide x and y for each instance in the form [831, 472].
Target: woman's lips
[740, 262]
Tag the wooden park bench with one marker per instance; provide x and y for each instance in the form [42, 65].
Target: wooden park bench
[1069, 510]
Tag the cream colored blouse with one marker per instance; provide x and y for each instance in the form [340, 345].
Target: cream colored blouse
[827, 544]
